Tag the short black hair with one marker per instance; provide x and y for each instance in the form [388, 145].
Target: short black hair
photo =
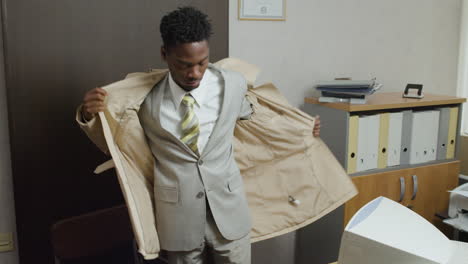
[184, 25]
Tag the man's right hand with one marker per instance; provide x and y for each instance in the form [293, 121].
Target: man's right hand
[93, 103]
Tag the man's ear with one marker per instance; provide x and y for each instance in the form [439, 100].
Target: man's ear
[163, 53]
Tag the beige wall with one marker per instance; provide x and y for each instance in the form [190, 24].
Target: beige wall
[398, 42]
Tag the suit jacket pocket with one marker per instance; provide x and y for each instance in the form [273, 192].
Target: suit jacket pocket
[167, 194]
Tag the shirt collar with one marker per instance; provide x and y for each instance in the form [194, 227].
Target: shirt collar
[199, 93]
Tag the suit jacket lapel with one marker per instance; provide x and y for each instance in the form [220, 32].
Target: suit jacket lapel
[214, 137]
[156, 112]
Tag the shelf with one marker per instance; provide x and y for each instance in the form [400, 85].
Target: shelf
[380, 101]
[401, 167]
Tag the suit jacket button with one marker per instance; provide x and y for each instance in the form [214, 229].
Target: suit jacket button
[200, 162]
[200, 195]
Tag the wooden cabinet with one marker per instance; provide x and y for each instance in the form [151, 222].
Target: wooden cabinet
[422, 187]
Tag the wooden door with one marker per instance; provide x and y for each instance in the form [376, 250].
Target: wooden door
[431, 193]
[55, 51]
[388, 184]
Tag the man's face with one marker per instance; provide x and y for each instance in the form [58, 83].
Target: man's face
[187, 63]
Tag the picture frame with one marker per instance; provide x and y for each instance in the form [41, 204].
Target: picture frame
[269, 10]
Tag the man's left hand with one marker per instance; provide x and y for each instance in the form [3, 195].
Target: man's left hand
[317, 126]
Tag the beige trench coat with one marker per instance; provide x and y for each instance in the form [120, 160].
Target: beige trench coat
[291, 178]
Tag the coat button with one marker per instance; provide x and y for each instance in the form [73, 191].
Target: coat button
[200, 162]
[200, 195]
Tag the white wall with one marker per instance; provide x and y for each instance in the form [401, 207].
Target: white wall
[396, 41]
[463, 65]
[7, 205]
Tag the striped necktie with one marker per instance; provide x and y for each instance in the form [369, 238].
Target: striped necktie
[190, 125]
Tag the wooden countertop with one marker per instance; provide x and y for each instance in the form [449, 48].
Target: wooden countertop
[380, 101]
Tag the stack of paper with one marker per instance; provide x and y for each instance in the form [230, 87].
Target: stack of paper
[458, 208]
[354, 92]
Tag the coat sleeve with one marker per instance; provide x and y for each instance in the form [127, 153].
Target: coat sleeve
[246, 106]
[93, 130]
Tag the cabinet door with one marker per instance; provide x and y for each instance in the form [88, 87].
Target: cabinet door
[388, 184]
[429, 186]
[425, 193]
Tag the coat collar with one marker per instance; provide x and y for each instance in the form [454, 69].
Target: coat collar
[132, 91]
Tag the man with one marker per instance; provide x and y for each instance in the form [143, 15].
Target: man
[188, 119]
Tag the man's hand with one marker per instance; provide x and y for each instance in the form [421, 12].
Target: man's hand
[93, 103]
[317, 126]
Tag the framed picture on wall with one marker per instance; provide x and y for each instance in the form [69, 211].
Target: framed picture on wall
[262, 10]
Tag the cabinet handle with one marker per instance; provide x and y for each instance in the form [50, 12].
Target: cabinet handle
[402, 189]
[415, 187]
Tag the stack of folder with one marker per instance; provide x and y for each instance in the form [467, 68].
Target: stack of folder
[354, 92]
[377, 141]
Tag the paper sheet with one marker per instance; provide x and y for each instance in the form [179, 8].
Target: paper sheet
[460, 192]
[460, 222]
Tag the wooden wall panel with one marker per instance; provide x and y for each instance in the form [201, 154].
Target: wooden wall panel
[56, 50]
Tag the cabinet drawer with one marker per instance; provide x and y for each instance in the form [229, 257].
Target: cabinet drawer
[423, 189]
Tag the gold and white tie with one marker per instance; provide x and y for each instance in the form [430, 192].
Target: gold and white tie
[190, 125]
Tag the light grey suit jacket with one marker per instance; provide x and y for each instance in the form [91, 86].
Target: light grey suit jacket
[185, 182]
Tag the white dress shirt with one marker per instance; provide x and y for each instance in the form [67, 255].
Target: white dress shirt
[207, 107]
